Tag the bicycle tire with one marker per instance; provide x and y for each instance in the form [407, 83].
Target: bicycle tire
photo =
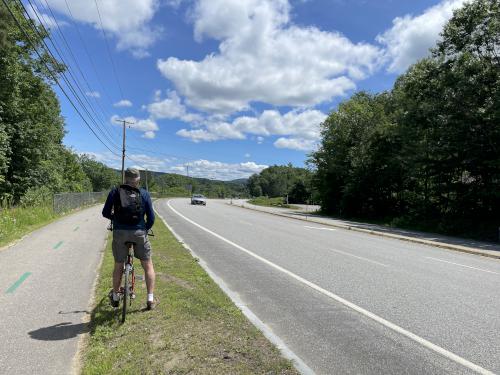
[126, 294]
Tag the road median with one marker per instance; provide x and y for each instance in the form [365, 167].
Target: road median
[195, 329]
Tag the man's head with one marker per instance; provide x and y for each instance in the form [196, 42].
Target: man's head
[132, 177]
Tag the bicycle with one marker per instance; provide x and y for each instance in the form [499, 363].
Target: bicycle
[127, 291]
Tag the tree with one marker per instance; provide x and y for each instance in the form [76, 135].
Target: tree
[101, 177]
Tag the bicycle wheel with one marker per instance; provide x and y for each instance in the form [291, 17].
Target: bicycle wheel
[126, 292]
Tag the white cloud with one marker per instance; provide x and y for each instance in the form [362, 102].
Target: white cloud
[303, 127]
[219, 170]
[170, 108]
[264, 58]
[147, 126]
[296, 144]
[48, 21]
[411, 37]
[198, 168]
[127, 20]
[93, 94]
[123, 103]
[149, 134]
[150, 163]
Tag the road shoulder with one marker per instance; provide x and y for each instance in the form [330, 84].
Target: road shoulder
[196, 327]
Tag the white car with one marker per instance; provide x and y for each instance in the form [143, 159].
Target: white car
[198, 199]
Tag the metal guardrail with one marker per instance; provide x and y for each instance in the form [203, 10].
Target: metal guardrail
[69, 201]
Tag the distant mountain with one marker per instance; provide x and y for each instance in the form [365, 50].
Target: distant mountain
[239, 181]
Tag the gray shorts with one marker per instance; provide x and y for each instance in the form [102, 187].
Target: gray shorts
[142, 247]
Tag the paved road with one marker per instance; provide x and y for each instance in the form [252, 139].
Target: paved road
[45, 287]
[347, 302]
[307, 213]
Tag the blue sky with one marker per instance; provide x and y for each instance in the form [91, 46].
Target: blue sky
[228, 86]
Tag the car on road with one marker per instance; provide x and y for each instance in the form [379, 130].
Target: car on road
[198, 199]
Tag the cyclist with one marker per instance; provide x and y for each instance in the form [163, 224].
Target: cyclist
[131, 212]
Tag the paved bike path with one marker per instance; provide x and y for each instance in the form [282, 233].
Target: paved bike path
[45, 287]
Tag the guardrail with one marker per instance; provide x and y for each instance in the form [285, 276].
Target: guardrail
[63, 202]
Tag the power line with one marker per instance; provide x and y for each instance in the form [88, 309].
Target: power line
[109, 50]
[60, 54]
[35, 49]
[104, 116]
[63, 75]
[89, 56]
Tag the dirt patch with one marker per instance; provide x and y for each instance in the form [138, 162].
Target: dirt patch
[169, 278]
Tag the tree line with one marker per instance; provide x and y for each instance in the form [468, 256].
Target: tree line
[426, 153]
[283, 181]
[33, 159]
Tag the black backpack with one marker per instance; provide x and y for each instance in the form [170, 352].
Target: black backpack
[127, 205]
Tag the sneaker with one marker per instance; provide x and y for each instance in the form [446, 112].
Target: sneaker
[150, 305]
[112, 301]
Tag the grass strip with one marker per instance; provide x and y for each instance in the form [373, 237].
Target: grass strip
[19, 221]
[196, 329]
[271, 202]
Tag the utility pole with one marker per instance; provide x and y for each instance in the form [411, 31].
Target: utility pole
[147, 188]
[125, 122]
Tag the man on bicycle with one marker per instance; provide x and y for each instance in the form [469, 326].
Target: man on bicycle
[131, 212]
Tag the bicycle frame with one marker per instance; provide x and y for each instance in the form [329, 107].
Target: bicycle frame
[129, 281]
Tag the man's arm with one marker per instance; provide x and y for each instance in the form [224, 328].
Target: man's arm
[148, 210]
[108, 206]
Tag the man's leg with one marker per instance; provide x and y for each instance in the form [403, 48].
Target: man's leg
[149, 273]
[117, 276]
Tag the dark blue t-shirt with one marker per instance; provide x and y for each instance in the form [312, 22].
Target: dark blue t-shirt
[147, 207]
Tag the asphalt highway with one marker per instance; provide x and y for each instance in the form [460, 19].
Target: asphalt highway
[348, 302]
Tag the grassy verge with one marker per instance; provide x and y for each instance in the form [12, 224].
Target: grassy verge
[195, 329]
[16, 222]
[271, 202]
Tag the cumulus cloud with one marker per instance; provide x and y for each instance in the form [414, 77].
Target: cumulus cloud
[296, 144]
[123, 103]
[93, 94]
[219, 170]
[171, 108]
[411, 37]
[49, 22]
[302, 125]
[127, 20]
[147, 126]
[264, 58]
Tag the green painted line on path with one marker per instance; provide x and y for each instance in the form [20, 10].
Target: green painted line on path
[58, 245]
[74, 230]
[14, 286]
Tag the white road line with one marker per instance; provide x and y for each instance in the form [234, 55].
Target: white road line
[318, 228]
[429, 345]
[358, 257]
[463, 265]
[266, 330]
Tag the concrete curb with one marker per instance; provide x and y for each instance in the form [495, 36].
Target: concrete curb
[459, 248]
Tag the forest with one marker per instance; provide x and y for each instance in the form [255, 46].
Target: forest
[425, 154]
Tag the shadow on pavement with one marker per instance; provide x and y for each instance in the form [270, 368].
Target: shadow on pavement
[60, 331]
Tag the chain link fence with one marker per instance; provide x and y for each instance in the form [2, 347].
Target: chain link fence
[64, 202]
